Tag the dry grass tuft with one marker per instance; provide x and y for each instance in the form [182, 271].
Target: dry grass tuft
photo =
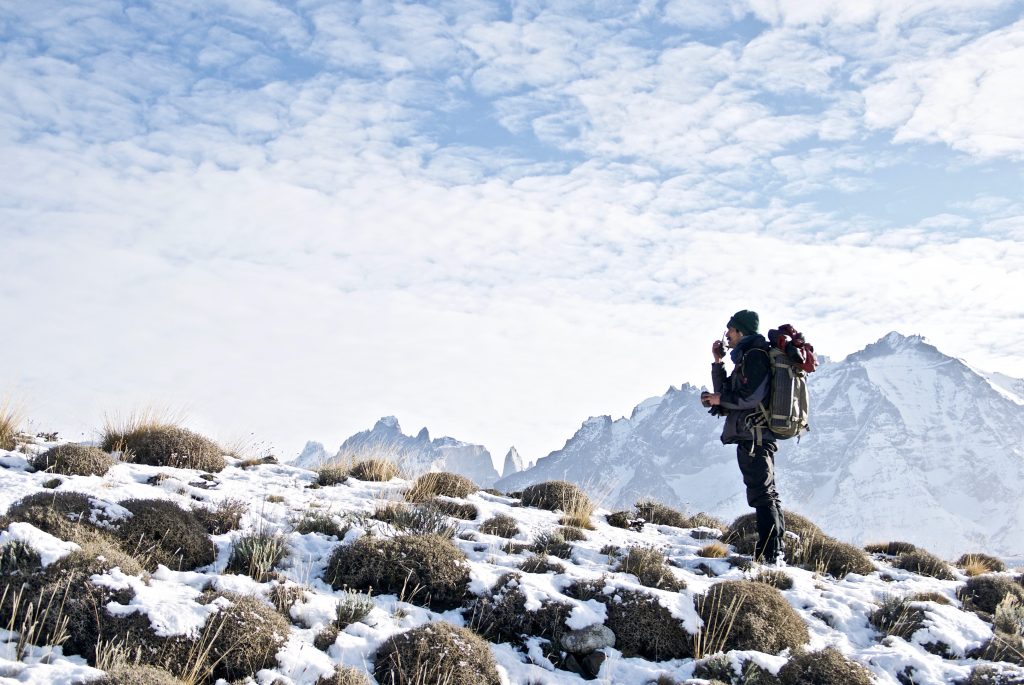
[660, 514]
[924, 563]
[976, 564]
[376, 470]
[436, 653]
[154, 438]
[715, 550]
[332, 474]
[431, 484]
[892, 549]
[501, 525]
[11, 417]
[73, 460]
[648, 565]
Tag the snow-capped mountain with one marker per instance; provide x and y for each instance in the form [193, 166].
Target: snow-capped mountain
[513, 463]
[414, 454]
[906, 442]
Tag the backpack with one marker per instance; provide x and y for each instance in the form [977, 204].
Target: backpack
[786, 409]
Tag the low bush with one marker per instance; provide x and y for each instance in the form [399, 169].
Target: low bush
[1009, 616]
[167, 445]
[552, 542]
[777, 579]
[976, 564]
[825, 666]
[823, 554]
[466, 512]
[743, 532]
[248, 635]
[256, 555]
[430, 485]
[352, 607]
[924, 563]
[540, 563]
[648, 565]
[376, 470]
[890, 548]
[418, 519]
[224, 517]
[332, 474]
[643, 627]
[18, 559]
[897, 616]
[572, 534]
[428, 570]
[502, 616]
[73, 460]
[626, 520]
[436, 652]
[10, 419]
[161, 532]
[715, 550]
[65, 515]
[322, 522]
[284, 596]
[501, 525]
[990, 675]
[137, 674]
[661, 514]
[743, 614]
[703, 520]
[560, 495]
[1002, 647]
[985, 593]
[345, 675]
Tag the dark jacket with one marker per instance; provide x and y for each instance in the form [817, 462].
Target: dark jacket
[744, 387]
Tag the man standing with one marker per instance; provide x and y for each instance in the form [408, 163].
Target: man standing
[736, 397]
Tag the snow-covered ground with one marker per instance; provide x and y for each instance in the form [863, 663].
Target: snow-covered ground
[835, 611]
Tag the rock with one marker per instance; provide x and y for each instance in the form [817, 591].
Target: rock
[589, 639]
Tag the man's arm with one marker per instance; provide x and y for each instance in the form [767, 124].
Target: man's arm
[754, 386]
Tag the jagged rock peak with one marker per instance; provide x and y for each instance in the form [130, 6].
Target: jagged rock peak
[388, 423]
[423, 435]
[893, 343]
[513, 463]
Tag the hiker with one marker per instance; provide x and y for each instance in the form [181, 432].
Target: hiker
[736, 398]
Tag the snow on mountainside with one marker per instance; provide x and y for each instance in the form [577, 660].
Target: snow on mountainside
[414, 454]
[905, 443]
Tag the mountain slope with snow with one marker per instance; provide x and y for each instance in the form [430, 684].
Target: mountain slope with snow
[905, 443]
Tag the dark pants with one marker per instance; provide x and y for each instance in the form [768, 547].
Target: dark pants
[757, 464]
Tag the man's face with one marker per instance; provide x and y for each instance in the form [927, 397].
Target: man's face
[733, 337]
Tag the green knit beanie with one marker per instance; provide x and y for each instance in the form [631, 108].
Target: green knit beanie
[744, 321]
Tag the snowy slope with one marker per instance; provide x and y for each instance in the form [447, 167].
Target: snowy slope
[835, 611]
[906, 443]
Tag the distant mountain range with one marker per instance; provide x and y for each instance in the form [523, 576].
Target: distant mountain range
[906, 442]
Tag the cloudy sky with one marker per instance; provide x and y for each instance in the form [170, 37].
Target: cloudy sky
[491, 218]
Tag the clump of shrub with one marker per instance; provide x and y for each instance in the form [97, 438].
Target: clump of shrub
[436, 652]
[984, 593]
[648, 565]
[572, 534]
[248, 635]
[703, 520]
[560, 495]
[18, 559]
[376, 470]
[344, 675]
[924, 563]
[825, 666]
[418, 519]
[552, 542]
[10, 418]
[824, 554]
[777, 579]
[540, 563]
[891, 549]
[284, 596]
[626, 520]
[257, 554]
[743, 532]
[138, 674]
[331, 474]
[976, 564]
[73, 460]
[897, 616]
[65, 515]
[432, 484]
[715, 550]
[428, 570]
[502, 616]
[990, 675]
[660, 514]
[501, 525]
[743, 614]
[323, 522]
[642, 626]
[466, 512]
[161, 532]
[158, 443]
[224, 517]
